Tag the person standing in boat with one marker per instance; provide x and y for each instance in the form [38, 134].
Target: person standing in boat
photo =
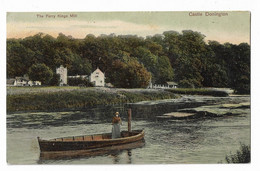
[116, 122]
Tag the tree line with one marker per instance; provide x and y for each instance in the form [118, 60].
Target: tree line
[131, 61]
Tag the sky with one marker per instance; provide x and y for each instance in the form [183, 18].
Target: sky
[233, 27]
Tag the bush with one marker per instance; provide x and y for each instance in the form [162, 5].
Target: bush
[241, 156]
[55, 81]
[82, 82]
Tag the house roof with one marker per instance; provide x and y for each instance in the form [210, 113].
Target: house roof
[10, 81]
[171, 83]
[97, 70]
[21, 79]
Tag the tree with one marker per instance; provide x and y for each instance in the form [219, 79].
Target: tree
[19, 58]
[55, 81]
[129, 75]
[172, 46]
[172, 56]
[214, 71]
[40, 72]
[188, 62]
[164, 70]
[43, 46]
[154, 47]
[140, 77]
[145, 57]
[80, 66]
[241, 69]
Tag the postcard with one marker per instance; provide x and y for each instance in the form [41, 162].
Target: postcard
[138, 87]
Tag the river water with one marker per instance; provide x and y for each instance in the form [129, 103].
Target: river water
[200, 140]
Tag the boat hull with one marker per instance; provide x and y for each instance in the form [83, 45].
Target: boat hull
[74, 144]
[59, 155]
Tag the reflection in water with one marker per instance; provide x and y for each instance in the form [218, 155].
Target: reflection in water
[115, 157]
[129, 155]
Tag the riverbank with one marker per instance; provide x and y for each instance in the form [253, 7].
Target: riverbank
[69, 98]
[76, 98]
[199, 91]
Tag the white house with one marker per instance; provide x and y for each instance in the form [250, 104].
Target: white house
[63, 72]
[97, 78]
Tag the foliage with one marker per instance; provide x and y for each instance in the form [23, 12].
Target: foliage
[146, 58]
[129, 74]
[240, 68]
[184, 57]
[55, 81]
[215, 70]
[40, 72]
[243, 155]
[164, 70]
[19, 58]
[79, 82]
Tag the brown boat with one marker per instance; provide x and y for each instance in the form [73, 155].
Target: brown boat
[110, 150]
[91, 144]
[88, 142]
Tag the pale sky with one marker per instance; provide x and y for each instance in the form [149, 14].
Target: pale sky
[233, 27]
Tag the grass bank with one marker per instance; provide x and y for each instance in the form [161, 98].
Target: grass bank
[243, 155]
[193, 91]
[53, 99]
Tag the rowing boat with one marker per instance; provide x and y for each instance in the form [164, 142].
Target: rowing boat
[110, 150]
[89, 142]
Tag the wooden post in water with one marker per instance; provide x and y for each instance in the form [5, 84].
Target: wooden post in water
[129, 119]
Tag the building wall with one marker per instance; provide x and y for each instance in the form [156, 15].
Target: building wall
[63, 72]
[97, 78]
[34, 83]
[78, 76]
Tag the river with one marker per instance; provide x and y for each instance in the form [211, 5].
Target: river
[199, 140]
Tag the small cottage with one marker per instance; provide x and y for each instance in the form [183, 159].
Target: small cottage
[97, 78]
[22, 81]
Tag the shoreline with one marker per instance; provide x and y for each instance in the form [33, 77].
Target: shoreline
[53, 99]
[32, 99]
